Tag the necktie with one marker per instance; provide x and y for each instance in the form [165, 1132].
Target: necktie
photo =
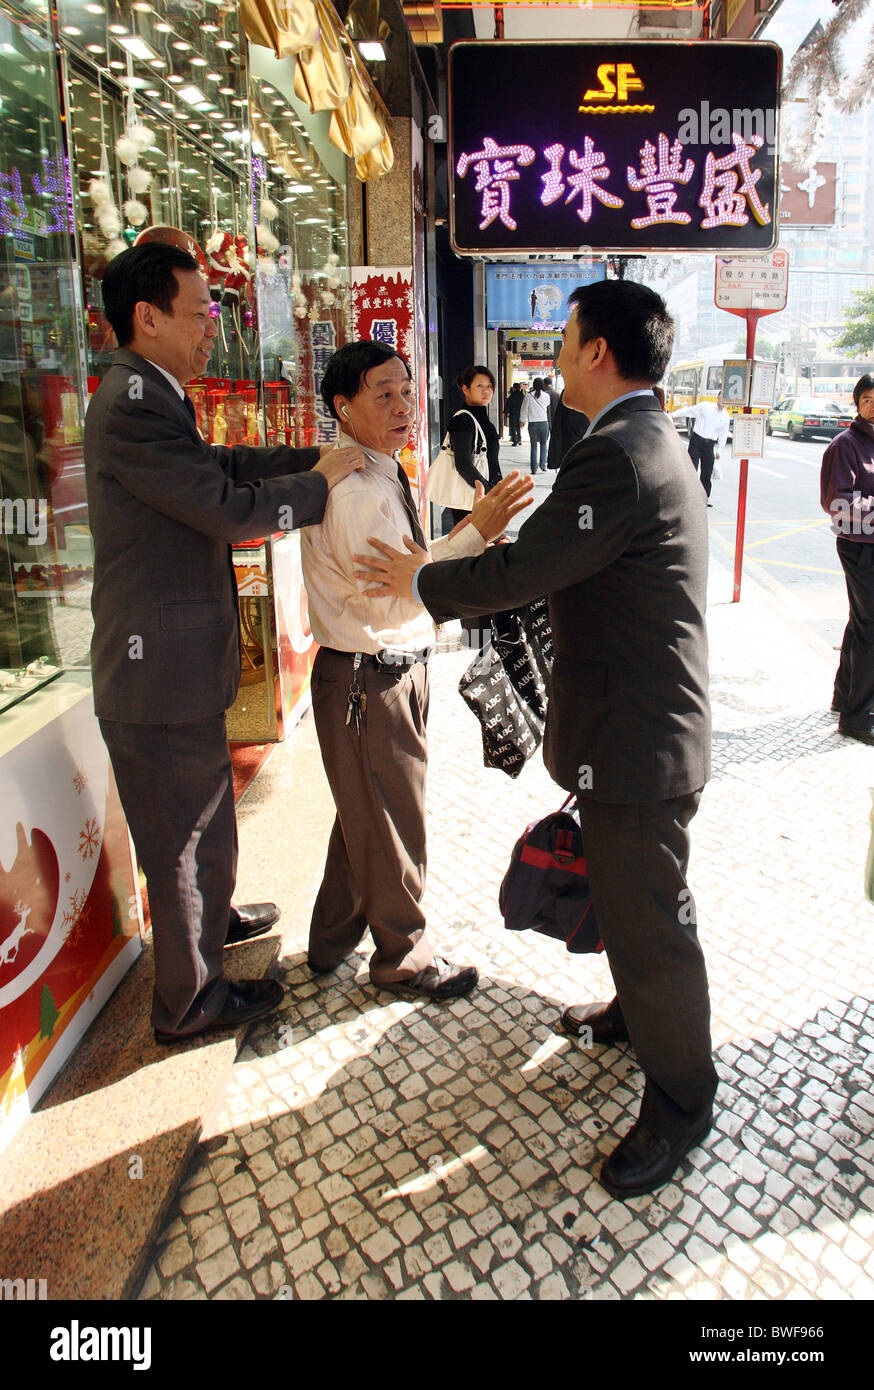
[416, 525]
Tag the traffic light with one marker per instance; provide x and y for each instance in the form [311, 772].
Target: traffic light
[807, 372]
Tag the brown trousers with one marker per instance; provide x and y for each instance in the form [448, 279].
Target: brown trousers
[375, 869]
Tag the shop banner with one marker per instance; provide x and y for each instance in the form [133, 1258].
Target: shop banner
[384, 310]
[534, 296]
[630, 145]
[69, 905]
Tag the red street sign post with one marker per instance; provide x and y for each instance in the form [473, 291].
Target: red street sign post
[749, 286]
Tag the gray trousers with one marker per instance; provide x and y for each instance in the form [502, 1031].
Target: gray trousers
[637, 857]
[375, 868]
[177, 789]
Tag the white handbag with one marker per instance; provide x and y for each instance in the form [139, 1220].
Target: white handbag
[444, 485]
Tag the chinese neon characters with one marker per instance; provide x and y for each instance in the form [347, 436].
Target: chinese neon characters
[728, 190]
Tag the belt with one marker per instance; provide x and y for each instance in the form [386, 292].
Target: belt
[385, 660]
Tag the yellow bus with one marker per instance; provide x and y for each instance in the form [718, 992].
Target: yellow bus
[697, 379]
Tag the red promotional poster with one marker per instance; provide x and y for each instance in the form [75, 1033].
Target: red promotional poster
[69, 908]
[383, 310]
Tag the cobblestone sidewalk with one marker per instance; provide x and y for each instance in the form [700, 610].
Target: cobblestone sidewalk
[374, 1148]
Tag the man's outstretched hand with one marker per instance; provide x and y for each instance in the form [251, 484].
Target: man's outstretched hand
[337, 463]
[493, 511]
[391, 572]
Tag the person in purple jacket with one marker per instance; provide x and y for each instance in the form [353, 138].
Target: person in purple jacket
[847, 494]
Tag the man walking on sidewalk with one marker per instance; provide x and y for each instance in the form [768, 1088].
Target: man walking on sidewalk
[620, 546]
[707, 435]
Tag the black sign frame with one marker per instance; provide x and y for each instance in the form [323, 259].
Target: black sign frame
[549, 111]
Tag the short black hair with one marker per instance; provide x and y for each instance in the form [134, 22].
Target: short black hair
[346, 369]
[865, 383]
[470, 373]
[633, 320]
[144, 273]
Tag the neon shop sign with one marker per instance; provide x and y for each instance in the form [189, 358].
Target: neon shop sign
[625, 153]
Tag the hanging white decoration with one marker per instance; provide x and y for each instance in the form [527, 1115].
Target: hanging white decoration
[99, 191]
[267, 242]
[109, 219]
[127, 149]
[135, 212]
[138, 179]
[142, 135]
[115, 247]
[269, 210]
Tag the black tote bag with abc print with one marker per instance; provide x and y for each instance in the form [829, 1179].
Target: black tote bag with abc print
[506, 686]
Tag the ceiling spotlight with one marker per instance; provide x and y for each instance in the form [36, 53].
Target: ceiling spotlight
[138, 48]
[372, 51]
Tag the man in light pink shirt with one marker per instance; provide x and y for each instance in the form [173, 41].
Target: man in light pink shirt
[370, 685]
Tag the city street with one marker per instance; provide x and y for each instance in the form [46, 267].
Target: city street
[789, 546]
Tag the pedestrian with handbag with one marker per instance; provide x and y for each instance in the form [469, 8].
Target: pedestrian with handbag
[535, 414]
[472, 436]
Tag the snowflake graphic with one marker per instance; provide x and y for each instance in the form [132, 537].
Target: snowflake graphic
[89, 839]
[79, 781]
[75, 919]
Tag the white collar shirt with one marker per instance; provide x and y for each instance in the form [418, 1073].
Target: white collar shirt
[170, 377]
[710, 421]
[368, 503]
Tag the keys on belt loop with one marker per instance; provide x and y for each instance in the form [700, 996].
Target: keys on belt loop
[357, 700]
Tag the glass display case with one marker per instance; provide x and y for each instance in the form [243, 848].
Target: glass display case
[45, 543]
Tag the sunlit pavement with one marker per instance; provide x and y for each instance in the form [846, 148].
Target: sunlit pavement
[373, 1148]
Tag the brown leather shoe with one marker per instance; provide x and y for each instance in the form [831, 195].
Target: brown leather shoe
[605, 1021]
[254, 919]
[442, 980]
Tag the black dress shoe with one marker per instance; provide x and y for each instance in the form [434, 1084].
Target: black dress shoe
[252, 920]
[644, 1161]
[442, 980]
[246, 1000]
[605, 1021]
[863, 732]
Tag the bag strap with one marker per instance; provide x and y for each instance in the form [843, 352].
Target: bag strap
[479, 430]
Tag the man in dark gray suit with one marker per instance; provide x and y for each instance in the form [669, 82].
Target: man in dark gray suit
[164, 508]
[620, 547]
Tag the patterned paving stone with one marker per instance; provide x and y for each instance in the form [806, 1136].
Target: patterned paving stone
[398, 1149]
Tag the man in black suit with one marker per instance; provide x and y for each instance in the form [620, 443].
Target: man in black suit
[164, 508]
[620, 547]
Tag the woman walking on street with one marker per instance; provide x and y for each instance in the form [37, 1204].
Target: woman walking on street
[472, 435]
[535, 413]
